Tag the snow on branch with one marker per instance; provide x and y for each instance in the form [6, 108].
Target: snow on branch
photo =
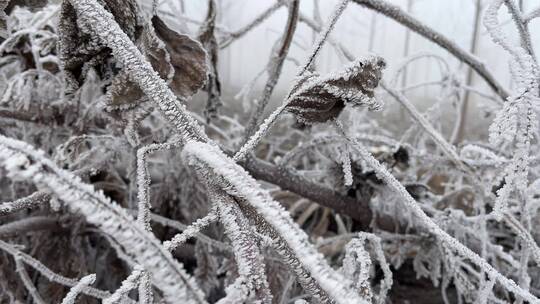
[290, 241]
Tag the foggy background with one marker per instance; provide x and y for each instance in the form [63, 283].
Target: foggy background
[361, 31]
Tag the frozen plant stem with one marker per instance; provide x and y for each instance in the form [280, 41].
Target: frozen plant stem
[131, 282]
[249, 259]
[36, 199]
[143, 182]
[430, 226]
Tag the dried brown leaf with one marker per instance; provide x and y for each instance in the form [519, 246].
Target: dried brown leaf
[322, 98]
[187, 57]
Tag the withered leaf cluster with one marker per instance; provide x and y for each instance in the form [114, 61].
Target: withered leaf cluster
[177, 58]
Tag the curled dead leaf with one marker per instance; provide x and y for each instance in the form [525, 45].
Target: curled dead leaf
[187, 57]
[322, 98]
[178, 59]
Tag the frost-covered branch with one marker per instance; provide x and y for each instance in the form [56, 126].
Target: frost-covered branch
[71, 297]
[252, 283]
[190, 231]
[33, 200]
[131, 282]
[143, 181]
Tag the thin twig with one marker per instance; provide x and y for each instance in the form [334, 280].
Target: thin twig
[275, 66]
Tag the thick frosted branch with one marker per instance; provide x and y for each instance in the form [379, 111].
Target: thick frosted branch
[249, 260]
